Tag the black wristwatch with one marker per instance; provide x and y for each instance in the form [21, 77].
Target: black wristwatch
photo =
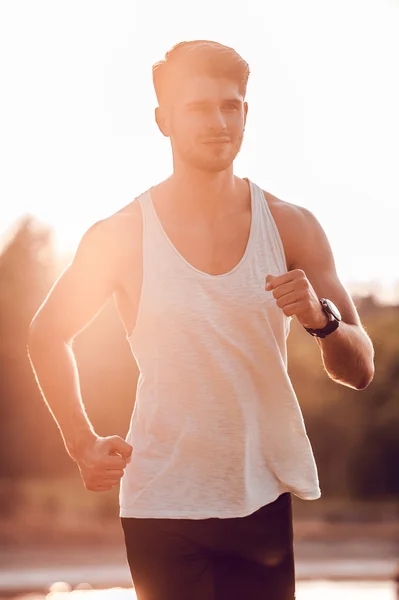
[334, 319]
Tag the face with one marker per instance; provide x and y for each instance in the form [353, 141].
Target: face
[205, 122]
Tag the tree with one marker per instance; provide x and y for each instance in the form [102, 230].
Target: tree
[26, 274]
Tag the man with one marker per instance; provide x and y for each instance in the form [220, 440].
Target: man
[207, 270]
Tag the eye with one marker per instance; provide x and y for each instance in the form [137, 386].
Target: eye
[231, 106]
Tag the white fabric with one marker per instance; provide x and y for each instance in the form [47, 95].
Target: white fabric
[216, 430]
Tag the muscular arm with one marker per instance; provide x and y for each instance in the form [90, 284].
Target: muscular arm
[73, 302]
[347, 353]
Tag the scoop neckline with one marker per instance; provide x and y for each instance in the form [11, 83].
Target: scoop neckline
[186, 262]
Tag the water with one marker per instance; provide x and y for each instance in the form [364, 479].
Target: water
[337, 576]
[312, 590]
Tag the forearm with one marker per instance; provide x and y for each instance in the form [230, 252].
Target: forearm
[348, 356]
[56, 372]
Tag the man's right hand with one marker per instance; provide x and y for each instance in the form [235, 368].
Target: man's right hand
[102, 462]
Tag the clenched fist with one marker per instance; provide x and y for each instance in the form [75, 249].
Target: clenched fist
[102, 461]
[295, 296]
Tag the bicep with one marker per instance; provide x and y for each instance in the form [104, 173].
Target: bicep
[82, 289]
[315, 257]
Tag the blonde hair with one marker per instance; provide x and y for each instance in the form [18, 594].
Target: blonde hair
[200, 57]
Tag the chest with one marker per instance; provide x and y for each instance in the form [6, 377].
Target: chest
[215, 247]
[212, 248]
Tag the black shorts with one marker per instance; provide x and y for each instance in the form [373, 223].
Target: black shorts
[243, 558]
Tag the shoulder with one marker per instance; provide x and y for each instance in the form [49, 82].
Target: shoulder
[124, 222]
[115, 230]
[288, 213]
[111, 244]
[299, 229]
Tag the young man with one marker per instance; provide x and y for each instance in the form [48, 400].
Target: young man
[207, 270]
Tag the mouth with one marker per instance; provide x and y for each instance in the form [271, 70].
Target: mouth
[217, 141]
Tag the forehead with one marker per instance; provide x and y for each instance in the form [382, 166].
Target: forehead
[205, 88]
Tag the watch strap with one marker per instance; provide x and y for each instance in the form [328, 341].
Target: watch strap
[322, 333]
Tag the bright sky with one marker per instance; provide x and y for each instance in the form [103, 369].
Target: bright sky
[78, 138]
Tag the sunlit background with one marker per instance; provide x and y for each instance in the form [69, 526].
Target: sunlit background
[78, 141]
[79, 138]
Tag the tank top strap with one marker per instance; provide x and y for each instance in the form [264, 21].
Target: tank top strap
[147, 214]
[155, 243]
[267, 236]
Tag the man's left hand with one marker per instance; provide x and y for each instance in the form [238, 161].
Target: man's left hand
[296, 296]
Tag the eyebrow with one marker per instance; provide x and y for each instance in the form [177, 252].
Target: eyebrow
[236, 101]
[232, 101]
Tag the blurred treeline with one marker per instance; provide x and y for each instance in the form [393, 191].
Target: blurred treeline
[355, 434]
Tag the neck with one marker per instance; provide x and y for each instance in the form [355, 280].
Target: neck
[206, 194]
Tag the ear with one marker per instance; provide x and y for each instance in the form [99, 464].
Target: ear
[245, 112]
[161, 120]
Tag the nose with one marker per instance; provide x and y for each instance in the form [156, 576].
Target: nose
[216, 121]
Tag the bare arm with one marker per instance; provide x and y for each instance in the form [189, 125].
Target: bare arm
[347, 353]
[75, 299]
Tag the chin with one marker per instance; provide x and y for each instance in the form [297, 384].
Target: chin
[210, 165]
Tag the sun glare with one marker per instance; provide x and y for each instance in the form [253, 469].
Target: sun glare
[79, 139]
[355, 590]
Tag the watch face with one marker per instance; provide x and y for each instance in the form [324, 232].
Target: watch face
[330, 306]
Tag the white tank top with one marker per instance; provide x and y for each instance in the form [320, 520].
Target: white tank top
[216, 429]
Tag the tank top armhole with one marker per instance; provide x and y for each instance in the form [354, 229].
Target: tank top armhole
[277, 245]
[277, 241]
[130, 335]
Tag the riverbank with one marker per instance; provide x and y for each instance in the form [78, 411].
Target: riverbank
[34, 568]
[40, 545]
